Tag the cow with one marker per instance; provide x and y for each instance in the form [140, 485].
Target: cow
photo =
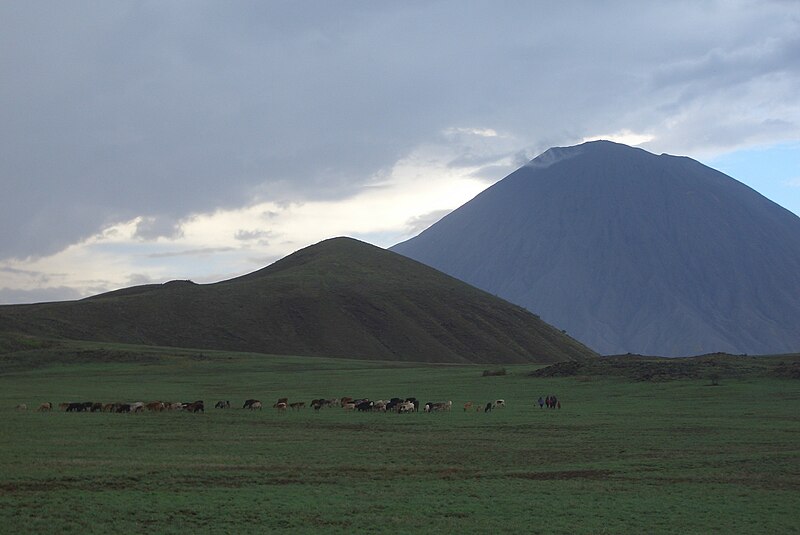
[45, 407]
[406, 406]
[137, 407]
[255, 405]
[21, 407]
[489, 407]
[365, 405]
[285, 401]
[499, 403]
[155, 406]
[108, 407]
[195, 406]
[122, 407]
[297, 405]
[223, 405]
[349, 406]
[63, 406]
[97, 407]
[467, 406]
[249, 403]
[75, 407]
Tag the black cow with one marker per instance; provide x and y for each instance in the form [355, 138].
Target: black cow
[75, 407]
[364, 405]
[248, 403]
[195, 406]
[489, 407]
[223, 405]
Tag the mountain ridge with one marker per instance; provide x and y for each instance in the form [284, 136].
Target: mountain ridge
[340, 298]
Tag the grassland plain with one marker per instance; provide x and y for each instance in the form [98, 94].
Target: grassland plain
[621, 456]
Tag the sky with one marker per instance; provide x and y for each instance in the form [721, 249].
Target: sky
[146, 141]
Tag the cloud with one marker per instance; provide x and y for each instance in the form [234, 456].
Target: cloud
[137, 118]
[152, 228]
[623, 136]
[192, 252]
[417, 224]
[252, 235]
[38, 295]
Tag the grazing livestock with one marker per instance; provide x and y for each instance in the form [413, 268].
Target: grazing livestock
[285, 401]
[97, 407]
[45, 407]
[280, 406]
[439, 406]
[297, 405]
[249, 403]
[499, 403]
[255, 405]
[349, 406]
[108, 407]
[467, 406]
[21, 407]
[223, 405]
[123, 407]
[489, 407]
[406, 406]
[137, 407]
[195, 406]
[155, 406]
[75, 407]
[63, 406]
[365, 405]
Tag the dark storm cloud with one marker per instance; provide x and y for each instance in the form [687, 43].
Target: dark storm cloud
[116, 110]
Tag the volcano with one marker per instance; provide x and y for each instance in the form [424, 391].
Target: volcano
[630, 252]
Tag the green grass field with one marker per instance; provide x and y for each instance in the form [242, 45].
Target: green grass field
[619, 457]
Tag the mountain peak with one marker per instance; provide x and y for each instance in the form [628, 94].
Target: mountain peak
[630, 252]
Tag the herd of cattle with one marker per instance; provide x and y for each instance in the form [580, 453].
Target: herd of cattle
[398, 405]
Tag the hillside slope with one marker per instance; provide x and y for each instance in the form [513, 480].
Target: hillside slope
[630, 252]
[340, 297]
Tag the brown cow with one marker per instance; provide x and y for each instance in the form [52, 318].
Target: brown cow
[155, 406]
[297, 405]
[467, 406]
[45, 407]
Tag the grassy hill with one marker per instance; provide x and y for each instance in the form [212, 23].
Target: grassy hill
[340, 298]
